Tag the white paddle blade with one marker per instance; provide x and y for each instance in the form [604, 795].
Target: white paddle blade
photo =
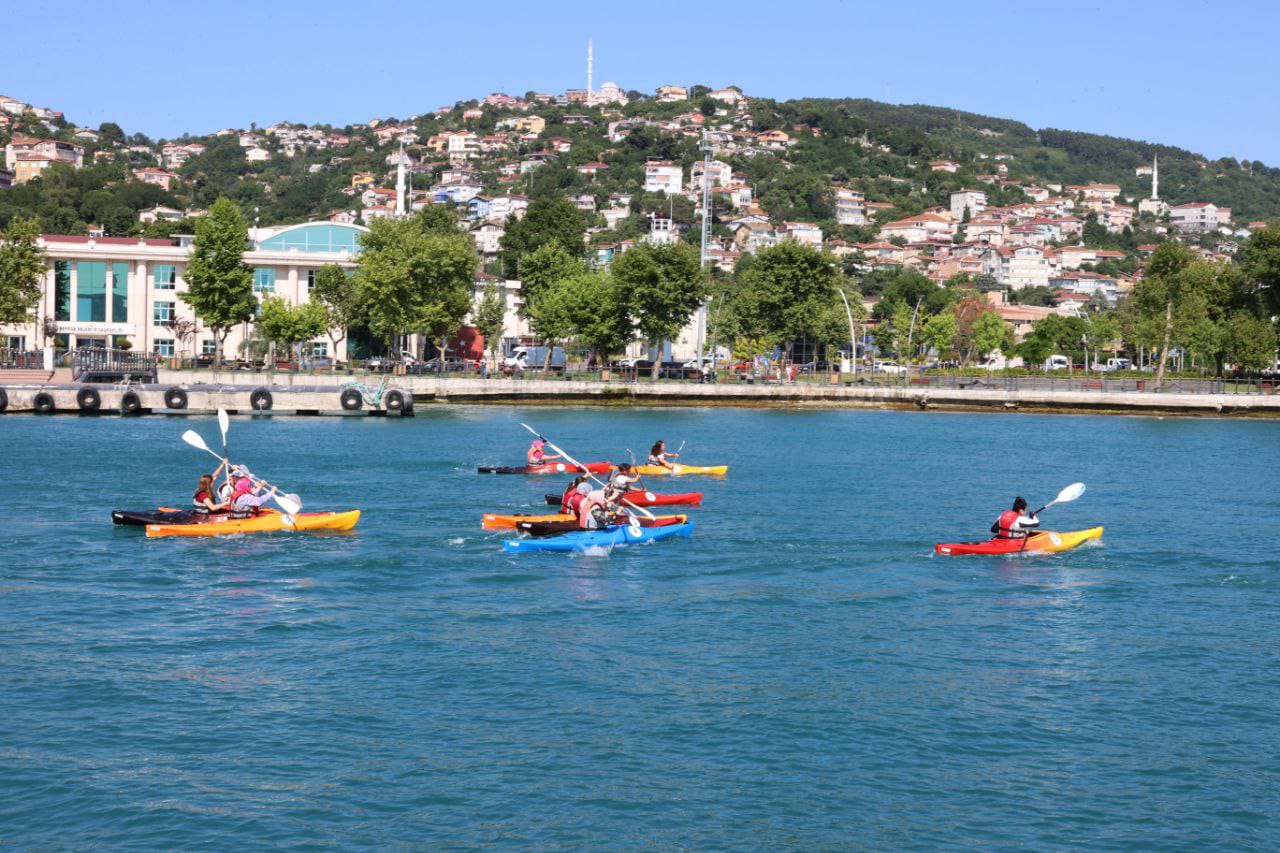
[288, 503]
[223, 423]
[1070, 493]
[193, 438]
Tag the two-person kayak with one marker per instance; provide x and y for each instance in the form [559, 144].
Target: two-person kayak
[548, 468]
[583, 540]
[265, 522]
[164, 515]
[1042, 541]
[559, 528]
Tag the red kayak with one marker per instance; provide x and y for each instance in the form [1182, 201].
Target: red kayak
[644, 498]
[549, 468]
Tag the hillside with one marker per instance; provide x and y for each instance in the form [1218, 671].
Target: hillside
[881, 150]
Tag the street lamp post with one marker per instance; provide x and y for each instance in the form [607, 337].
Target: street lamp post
[853, 339]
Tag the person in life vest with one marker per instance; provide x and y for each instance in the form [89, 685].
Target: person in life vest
[593, 513]
[621, 482]
[205, 499]
[536, 454]
[658, 454]
[247, 496]
[568, 506]
[1013, 524]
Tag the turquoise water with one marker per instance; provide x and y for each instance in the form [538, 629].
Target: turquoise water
[802, 672]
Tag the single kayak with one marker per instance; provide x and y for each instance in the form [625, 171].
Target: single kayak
[584, 539]
[558, 528]
[549, 468]
[1044, 541]
[639, 498]
[265, 523]
[679, 470]
[141, 518]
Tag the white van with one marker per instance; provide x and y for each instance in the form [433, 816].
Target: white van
[1057, 362]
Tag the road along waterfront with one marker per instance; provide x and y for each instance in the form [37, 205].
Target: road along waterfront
[802, 672]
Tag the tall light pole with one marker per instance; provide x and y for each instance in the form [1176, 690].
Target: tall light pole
[853, 338]
[706, 238]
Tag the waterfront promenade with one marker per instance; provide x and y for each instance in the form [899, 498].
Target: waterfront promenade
[308, 394]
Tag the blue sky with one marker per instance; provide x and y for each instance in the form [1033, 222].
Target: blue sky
[1195, 74]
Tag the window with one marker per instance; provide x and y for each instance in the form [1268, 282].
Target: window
[162, 313]
[264, 280]
[91, 292]
[311, 280]
[18, 342]
[163, 346]
[165, 277]
[208, 347]
[320, 349]
[62, 290]
[119, 292]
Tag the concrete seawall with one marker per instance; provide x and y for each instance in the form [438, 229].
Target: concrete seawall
[301, 394]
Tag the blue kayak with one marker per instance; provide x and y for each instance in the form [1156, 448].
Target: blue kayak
[581, 540]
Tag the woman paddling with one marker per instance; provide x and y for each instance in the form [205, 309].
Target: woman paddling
[204, 500]
[537, 455]
[658, 454]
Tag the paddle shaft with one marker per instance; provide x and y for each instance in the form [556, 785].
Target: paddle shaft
[284, 501]
[583, 468]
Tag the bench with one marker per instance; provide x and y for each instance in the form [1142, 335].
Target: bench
[921, 380]
[1092, 383]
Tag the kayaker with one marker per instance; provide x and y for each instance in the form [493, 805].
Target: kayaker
[621, 482]
[536, 454]
[592, 514]
[204, 501]
[658, 454]
[247, 496]
[1013, 524]
[567, 504]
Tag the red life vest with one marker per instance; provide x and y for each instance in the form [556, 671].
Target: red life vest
[585, 509]
[1005, 524]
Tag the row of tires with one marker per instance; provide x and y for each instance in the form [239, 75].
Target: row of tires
[260, 399]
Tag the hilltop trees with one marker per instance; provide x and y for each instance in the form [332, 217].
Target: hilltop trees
[219, 284]
[21, 266]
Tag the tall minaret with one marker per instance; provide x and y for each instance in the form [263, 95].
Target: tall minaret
[1155, 177]
[589, 58]
[400, 183]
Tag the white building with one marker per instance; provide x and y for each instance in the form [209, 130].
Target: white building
[974, 201]
[1198, 217]
[851, 207]
[663, 176]
[1017, 267]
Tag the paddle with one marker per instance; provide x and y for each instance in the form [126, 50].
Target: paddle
[224, 424]
[583, 468]
[289, 503]
[1067, 495]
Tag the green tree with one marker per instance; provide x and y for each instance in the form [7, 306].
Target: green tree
[219, 284]
[413, 278]
[490, 319]
[988, 334]
[789, 291]
[548, 219]
[1260, 260]
[335, 289]
[21, 267]
[601, 316]
[664, 286]
[940, 332]
[1251, 341]
[287, 325]
[545, 266]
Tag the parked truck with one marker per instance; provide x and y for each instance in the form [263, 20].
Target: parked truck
[523, 358]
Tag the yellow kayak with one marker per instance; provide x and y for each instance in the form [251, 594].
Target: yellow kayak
[679, 470]
[264, 523]
[1044, 541]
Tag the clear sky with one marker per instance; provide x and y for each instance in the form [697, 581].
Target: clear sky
[1201, 75]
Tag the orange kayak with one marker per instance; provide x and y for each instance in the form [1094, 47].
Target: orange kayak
[265, 523]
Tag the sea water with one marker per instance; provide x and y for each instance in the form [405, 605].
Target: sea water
[802, 672]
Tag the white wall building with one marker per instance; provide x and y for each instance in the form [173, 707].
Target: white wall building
[975, 201]
[663, 176]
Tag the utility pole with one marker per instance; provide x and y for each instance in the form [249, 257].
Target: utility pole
[706, 239]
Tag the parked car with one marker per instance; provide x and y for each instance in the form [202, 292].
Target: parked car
[448, 364]
[317, 362]
[1113, 364]
[1057, 362]
[637, 364]
[390, 360]
[891, 367]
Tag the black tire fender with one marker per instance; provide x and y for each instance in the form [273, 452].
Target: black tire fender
[393, 401]
[43, 403]
[88, 399]
[175, 398]
[130, 403]
[4, 399]
[260, 400]
[351, 400]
